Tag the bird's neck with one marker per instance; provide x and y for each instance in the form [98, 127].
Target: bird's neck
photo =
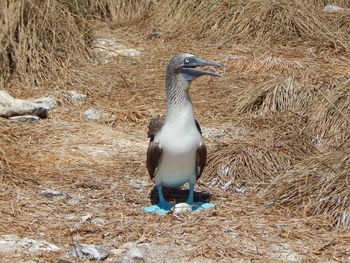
[179, 101]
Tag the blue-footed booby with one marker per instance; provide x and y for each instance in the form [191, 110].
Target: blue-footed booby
[176, 153]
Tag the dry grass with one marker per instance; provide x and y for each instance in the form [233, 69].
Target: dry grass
[43, 38]
[263, 147]
[318, 185]
[323, 3]
[40, 40]
[330, 117]
[295, 21]
[287, 95]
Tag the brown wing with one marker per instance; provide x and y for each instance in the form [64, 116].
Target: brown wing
[198, 127]
[201, 154]
[154, 126]
[201, 159]
[154, 152]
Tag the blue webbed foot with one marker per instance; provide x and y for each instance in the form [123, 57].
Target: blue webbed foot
[161, 208]
[197, 206]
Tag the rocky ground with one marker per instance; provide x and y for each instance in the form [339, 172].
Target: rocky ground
[84, 184]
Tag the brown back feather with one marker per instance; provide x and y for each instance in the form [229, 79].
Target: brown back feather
[201, 158]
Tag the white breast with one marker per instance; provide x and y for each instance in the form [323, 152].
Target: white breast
[179, 140]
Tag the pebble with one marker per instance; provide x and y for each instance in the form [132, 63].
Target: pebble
[137, 183]
[334, 8]
[48, 102]
[76, 97]
[98, 221]
[133, 255]
[182, 208]
[25, 118]
[12, 243]
[92, 114]
[86, 217]
[90, 252]
[55, 195]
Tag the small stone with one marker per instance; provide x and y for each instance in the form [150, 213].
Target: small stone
[86, 217]
[118, 251]
[72, 217]
[98, 221]
[25, 118]
[106, 41]
[154, 34]
[181, 208]
[11, 243]
[55, 195]
[334, 8]
[50, 103]
[285, 254]
[91, 252]
[76, 97]
[10, 106]
[235, 57]
[129, 52]
[133, 255]
[92, 114]
[137, 183]
[72, 201]
[78, 238]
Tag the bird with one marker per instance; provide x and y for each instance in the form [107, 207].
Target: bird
[176, 153]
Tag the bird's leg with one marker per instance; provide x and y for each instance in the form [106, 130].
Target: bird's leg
[160, 194]
[191, 194]
[162, 207]
[196, 205]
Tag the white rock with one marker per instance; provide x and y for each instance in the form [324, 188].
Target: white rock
[112, 47]
[92, 114]
[133, 255]
[78, 238]
[98, 221]
[91, 252]
[25, 118]
[86, 217]
[181, 208]
[12, 243]
[10, 106]
[285, 254]
[129, 52]
[137, 183]
[55, 195]
[50, 103]
[334, 8]
[106, 41]
[76, 97]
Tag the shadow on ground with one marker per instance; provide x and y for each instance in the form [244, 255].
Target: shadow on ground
[179, 195]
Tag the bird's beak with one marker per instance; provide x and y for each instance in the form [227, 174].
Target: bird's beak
[190, 72]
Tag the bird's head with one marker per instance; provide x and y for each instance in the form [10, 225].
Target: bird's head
[185, 66]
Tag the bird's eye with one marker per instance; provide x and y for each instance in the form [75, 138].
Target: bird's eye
[187, 61]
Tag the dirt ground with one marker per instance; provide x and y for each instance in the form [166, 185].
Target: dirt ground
[98, 167]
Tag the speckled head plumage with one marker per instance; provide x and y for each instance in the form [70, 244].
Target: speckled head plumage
[185, 65]
[181, 70]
